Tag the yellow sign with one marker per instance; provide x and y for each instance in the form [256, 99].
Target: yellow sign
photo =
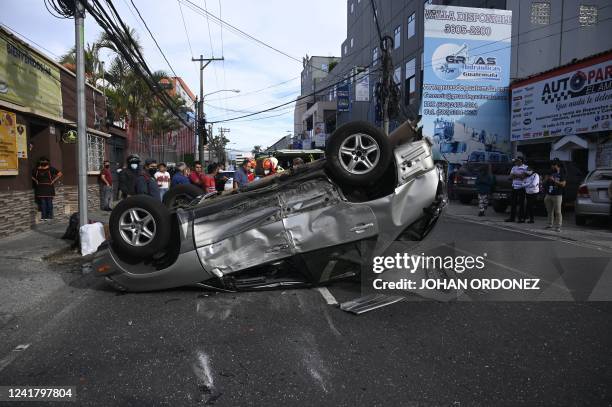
[28, 79]
[22, 141]
[8, 143]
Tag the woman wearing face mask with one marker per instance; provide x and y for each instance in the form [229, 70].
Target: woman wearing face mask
[106, 187]
[45, 177]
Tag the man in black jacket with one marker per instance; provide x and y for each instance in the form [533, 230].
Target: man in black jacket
[128, 176]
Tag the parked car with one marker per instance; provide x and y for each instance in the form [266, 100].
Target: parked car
[313, 224]
[464, 183]
[593, 200]
[500, 199]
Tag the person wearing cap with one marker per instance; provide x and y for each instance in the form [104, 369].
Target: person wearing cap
[181, 177]
[517, 174]
[128, 176]
[241, 175]
[554, 186]
[44, 177]
[146, 183]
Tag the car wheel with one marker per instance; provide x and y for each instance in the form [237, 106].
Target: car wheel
[500, 207]
[357, 154]
[180, 196]
[465, 199]
[580, 220]
[139, 227]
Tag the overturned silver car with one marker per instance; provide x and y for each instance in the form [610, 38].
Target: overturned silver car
[313, 224]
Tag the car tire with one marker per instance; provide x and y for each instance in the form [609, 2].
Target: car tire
[180, 195]
[500, 207]
[580, 220]
[357, 154]
[139, 227]
[465, 199]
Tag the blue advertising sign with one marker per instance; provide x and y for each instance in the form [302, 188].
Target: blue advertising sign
[465, 85]
[343, 97]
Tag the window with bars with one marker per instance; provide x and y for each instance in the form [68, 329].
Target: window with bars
[95, 152]
[540, 12]
[397, 37]
[587, 15]
[411, 25]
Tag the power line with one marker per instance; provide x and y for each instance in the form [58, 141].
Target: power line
[153, 37]
[185, 26]
[243, 94]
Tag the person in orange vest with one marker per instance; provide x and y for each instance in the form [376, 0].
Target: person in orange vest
[270, 165]
[45, 177]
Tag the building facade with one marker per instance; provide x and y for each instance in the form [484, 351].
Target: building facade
[545, 34]
[37, 105]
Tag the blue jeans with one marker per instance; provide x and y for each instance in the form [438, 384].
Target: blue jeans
[162, 191]
[46, 208]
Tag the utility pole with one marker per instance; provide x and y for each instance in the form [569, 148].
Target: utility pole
[79, 28]
[221, 146]
[385, 45]
[201, 120]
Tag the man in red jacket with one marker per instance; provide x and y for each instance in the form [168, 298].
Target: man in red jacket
[197, 176]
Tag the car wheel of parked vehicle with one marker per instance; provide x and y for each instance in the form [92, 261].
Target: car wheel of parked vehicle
[500, 207]
[139, 227]
[181, 195]
[465, 199]
[358, 154]
[580, 220]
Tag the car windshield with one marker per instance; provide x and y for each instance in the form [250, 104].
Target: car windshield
[601, 175]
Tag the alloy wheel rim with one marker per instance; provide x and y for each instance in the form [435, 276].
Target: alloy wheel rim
[137, 227]
[359, 154]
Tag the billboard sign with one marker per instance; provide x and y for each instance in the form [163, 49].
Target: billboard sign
[576, 100]
[8, 143]
[343, 99]
[27, 79]
[465, 85]
[362, 86]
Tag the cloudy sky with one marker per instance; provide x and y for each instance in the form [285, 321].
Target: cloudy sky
[316, 27]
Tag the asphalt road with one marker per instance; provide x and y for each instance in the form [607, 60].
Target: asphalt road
[190, 347]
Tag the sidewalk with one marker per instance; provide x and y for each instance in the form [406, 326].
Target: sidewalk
[44, 239]
[594, 234]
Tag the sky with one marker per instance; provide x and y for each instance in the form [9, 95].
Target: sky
[316, 27]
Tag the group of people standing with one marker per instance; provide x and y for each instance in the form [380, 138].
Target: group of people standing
[526, 185]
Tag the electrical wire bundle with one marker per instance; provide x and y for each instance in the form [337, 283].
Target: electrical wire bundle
[110, 21]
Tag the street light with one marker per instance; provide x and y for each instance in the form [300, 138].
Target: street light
[222, 90]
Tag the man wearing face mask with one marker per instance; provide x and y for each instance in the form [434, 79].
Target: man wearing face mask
[146, 183]
[106, 187]
[127, 177]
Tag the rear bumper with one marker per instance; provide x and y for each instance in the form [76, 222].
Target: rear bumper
[589, 208]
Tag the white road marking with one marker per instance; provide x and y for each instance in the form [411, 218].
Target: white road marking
[203, 370]
[327, 296]
[553, 238]
[8, 359]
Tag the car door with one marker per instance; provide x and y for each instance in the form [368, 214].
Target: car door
[247, 232]
[315, 216]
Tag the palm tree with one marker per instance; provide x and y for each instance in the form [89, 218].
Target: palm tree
[92, 61]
